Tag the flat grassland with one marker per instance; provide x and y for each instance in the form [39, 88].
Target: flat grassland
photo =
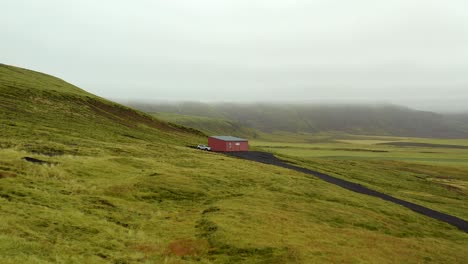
[430, 172]
[446, 152]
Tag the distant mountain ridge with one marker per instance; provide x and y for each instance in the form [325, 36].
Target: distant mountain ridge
[209, 125]
[385, 120]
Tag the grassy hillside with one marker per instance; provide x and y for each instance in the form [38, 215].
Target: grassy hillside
[39, 110]
[14, 78]
[384, 120]
[118, 186]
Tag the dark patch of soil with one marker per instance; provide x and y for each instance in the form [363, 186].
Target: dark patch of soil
[5, 196]
[211, 210]
[38, 161]
[4, 174]
[130, 136]
[415, 144]
[269, 158]
[105, 203]
[102, 255]
[187, 247]
[206, 228]
[342, 149]
[361, 150]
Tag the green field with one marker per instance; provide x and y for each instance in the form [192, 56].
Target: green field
[373, 148]
[434, 175]
[123, 187]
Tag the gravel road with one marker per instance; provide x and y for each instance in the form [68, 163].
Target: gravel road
[268, 158]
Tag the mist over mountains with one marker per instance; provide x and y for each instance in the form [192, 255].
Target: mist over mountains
[389, 120]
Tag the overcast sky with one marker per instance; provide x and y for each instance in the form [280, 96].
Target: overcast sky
[410, 52]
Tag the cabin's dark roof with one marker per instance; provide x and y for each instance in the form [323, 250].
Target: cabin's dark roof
[229, 138]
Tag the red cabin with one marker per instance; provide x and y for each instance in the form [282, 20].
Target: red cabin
[227, 143]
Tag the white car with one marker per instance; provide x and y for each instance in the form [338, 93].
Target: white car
[203, 147]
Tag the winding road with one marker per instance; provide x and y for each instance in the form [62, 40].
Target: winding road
[268, 158]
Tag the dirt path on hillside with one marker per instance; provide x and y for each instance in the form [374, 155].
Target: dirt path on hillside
[269, 158]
